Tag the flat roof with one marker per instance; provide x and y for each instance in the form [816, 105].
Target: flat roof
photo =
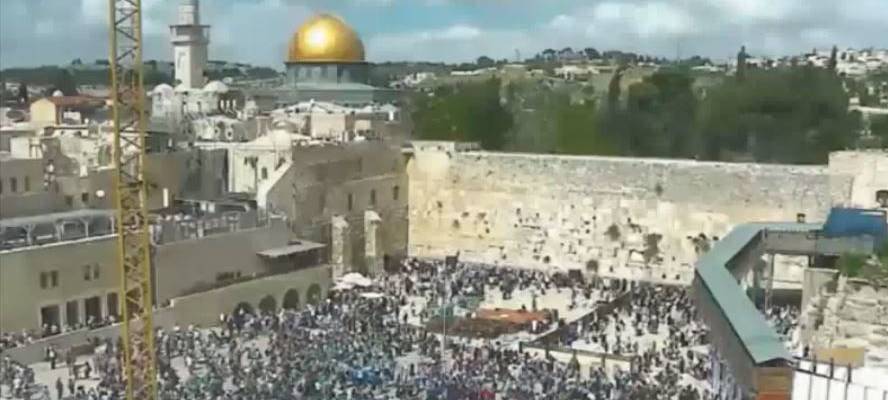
[53, 217]
[295, 247]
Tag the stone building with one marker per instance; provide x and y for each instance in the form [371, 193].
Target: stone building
[68, 272]
[352, 197]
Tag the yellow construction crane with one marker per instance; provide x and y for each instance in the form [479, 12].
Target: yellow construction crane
[133, 245]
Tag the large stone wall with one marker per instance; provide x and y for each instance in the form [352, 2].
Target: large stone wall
[549, 211]
[868, 171]
[345, 181]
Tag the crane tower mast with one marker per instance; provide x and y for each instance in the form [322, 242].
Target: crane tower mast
[130, 197]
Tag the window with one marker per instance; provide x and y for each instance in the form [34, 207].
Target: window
[13, 185]
[49, 279]
[69, 201]
[87, 272]
[264, 173]
[396, 192]
[95, 271]
[351, 202]
[27, 183]
[882, 198]
[84, 197]
[800, 218]
[1, 186]
[373, 197]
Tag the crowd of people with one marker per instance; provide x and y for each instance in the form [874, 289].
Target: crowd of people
[370, 343]
[9, 340]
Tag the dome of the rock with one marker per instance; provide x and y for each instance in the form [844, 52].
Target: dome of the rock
[325, 38]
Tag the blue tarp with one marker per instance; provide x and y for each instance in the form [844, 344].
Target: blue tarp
[850, 222]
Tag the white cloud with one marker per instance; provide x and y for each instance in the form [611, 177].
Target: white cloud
[377, 3]
[457, 42]
[753, 10]
[644, 20]
[457, 32]
[563, 22]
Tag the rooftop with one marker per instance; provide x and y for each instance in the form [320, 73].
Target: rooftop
[75, 101]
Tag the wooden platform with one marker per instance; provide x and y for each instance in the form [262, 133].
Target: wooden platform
[487, 323]
[511, 316]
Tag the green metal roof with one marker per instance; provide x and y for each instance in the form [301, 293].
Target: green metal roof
[758, 338]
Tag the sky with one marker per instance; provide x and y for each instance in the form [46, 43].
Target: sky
[42, 32]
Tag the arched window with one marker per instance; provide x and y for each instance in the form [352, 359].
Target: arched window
[882, 198]
[264, 173]
[291, 300]
[268, 305]
[243, 307]
[314, 294]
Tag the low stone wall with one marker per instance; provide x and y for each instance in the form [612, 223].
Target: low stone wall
[34, 352]
[204, 308]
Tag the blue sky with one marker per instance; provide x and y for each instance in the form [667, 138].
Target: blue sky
[35, 32]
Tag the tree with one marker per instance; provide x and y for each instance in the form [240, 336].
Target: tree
[549, 54]
[591, 53]
[832, 58]
[484, 62]
[614, 89]
[575, 127]
[468, 112]
[741, 63]
[566, 52]
[63, 82]
[789, 115]
[22, 96]
[659, 117]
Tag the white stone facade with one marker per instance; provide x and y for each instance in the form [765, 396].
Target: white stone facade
[854, 315]
[190, 41]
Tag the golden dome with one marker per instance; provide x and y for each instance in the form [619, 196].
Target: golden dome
[325, 38]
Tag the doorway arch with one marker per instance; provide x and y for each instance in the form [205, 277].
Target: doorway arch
[246, 307]
[291, 300]
[314, 294]
[268, 305]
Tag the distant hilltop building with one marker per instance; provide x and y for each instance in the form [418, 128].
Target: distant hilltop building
[325, 62]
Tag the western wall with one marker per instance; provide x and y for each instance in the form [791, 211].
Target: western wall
[628, 217]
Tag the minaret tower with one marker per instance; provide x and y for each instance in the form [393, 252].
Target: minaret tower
[190, 40]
